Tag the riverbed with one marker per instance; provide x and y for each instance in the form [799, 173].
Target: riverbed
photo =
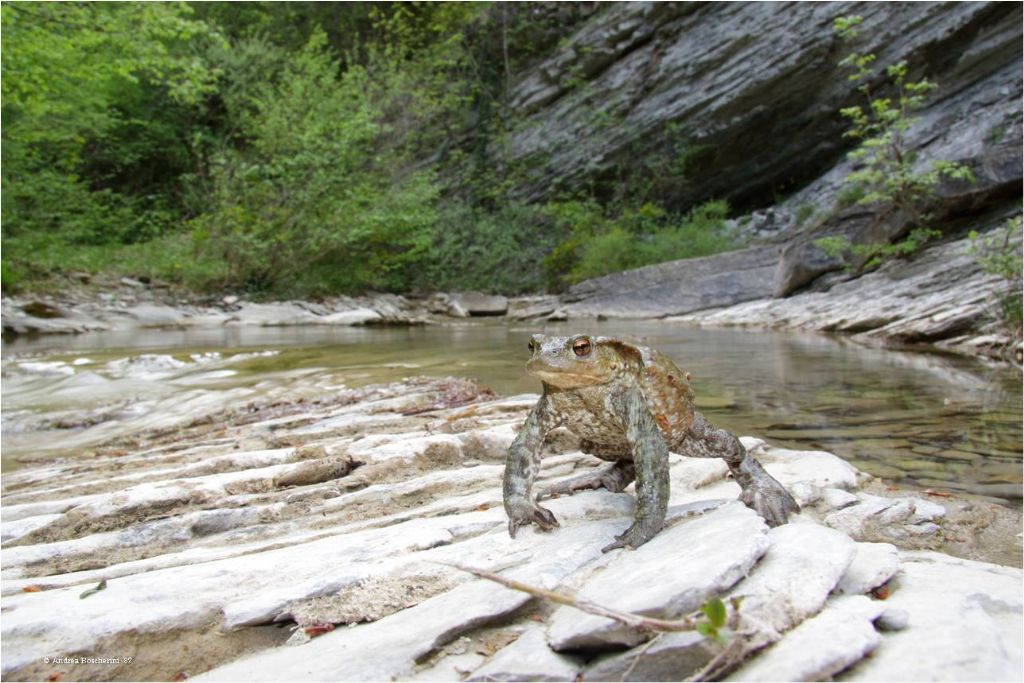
[924, 420]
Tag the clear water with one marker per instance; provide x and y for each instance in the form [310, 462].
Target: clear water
[921, 419]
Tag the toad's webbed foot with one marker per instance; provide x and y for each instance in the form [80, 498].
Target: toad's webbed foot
[615, 478]
[763, 493]
[633, 537]
[526, 512]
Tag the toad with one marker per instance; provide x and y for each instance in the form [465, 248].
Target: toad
[629, 405]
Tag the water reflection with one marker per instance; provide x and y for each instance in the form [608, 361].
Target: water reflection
[924, 419]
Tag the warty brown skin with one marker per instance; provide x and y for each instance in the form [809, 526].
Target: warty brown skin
[629, 405]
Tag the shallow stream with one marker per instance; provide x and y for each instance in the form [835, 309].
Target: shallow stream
[926, 420]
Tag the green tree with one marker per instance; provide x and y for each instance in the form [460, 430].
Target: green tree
[94, 99]
[999, 254]
[307, 200]
[887, 176]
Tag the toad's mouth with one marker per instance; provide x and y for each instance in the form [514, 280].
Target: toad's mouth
[563, 379]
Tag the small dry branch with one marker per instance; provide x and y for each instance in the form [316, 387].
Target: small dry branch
[637, 621]
[741, 645]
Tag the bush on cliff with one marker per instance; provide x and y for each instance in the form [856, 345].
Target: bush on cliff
[887, 176]
[638, 237]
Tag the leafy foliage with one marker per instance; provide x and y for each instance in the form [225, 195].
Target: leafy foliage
[305, 204]
[874, 253]
[93, 101]
[637, 237]
[888, 176]
[713, 625]
[1000, 255]
[498, 251]
[304, 149]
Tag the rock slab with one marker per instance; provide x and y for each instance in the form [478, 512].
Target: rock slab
[669, 576]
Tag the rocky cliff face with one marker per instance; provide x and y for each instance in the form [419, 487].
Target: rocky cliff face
[740, 99]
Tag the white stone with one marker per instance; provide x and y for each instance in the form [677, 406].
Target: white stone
[389, 648]
[529, 659]
[207, 534]
[670, 575]
[854, 519]
[156, 315]
[668, 657]
[805, 493]
[272, 315]
[808, 471]
[11, 530]
[477, 303]
[965, 623]
[841, 635]
[873, 565]
[359, 316]
[837, 499]
[894, 518]
[803, 564]
[893, 620]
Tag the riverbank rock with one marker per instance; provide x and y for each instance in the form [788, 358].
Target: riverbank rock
[941, 297]
[334, 524]
[676, 287]
[527, 307]
[78, 310]
[477, 303]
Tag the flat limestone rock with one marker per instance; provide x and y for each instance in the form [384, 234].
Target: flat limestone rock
[358, 316]
[670, 575]
[820, 647]
[669, 657]
[889, 518]
[788, 584]
[873, 565]
[477, 303]
[382, 650]
[837, 499]
[208, 537]
[272, 315]
[529, 659]
[965, 623]
[803, 564]
[156, 315]
[802, 472]
[677, 287]
[390, 648]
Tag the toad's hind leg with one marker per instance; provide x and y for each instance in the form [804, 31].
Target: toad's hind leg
[758, 489]
[615, 478]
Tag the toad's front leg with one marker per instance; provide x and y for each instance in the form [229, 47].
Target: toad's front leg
[650, 462]
[521, 468]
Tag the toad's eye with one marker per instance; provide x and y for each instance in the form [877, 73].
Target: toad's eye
[581, 347]
[532, 346]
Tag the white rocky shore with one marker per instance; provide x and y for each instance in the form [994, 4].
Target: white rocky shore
[314, 540]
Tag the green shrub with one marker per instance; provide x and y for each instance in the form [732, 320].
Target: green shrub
[312, 205]
[501, 251]
[32, 261]
[98, 101]
[649, 235]
[1000, 255]
[803, 213]
[874, 253]
[886, 176]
